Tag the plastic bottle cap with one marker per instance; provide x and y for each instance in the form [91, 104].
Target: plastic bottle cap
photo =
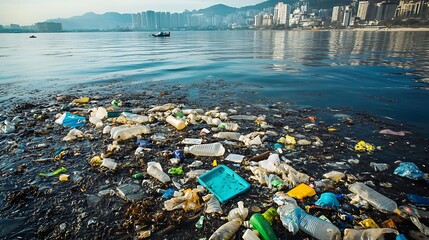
[186, 150]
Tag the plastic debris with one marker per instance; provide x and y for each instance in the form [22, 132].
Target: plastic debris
[367, 234]
[301, 191]
[227, 230]
[236, 158]
[409, 170]
[71, 120]
[56, 172]
[362, 146]
[328, 199]
[390, 132]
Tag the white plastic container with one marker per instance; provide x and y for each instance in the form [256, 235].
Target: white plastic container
[210, 150]
[229, 126]
[126, 132]
[154, 169]
[228, 135]
[175, 122]
[374, 198]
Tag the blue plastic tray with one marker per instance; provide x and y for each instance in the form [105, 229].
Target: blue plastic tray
[223, 183]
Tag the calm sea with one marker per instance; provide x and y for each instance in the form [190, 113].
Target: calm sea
[375, 72]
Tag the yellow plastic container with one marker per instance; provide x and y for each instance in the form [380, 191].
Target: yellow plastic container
[301, 191]
[82, 100]
[368, 223]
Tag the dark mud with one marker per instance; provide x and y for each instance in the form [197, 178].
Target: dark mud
[34, 207]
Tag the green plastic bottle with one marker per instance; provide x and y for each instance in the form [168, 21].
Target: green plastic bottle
[270, 214]
[262, 225]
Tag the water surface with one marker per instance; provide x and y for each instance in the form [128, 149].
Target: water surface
[375, 72]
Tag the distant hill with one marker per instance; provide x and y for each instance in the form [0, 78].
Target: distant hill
[110, 20]
[219, 9]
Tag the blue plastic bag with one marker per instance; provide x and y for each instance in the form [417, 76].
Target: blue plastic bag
[417, 200]
[71, 120]
[328, 199]
[409, 170]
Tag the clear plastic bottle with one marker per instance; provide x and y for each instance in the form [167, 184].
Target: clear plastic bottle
[227, 231]
[176, 122]
[374, 198]
[135, 118]
[294, 219]
[210, 150]
[229, 126]
[96, 121]
[124, 132]
[228, 135]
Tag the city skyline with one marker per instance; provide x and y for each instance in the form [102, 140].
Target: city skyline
[28, 12]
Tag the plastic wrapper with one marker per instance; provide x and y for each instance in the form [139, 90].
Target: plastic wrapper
[328, 199]
[409, 170]
[71, 120]
[334, 175]
[213, 206]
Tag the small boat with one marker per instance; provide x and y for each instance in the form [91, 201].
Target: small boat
[161, 34]
[32, 36]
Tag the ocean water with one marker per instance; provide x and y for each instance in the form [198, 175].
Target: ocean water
[375, 72]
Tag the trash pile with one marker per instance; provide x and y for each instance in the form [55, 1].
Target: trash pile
[127, 168]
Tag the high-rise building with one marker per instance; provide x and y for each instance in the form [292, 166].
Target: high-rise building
[144, 21]
[267, 20]
[136, 21]
[337, 14]
[347, 16]
[151, 20]
[385, 10]
[258, 20]
[281, 13]
[366, 11]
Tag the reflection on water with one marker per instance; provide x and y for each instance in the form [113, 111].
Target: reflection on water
[356, 69]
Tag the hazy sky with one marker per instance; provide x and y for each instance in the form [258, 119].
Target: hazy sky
[27, 12]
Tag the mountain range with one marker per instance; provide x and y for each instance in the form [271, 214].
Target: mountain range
[114, 20]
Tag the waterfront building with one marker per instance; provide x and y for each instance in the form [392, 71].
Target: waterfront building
[281, 14]
[267, 20]
[385, 11]
[258, 20]
[366, 11]
[49, 27]
[150, 20]
[347, 16]
[337, 14]
[412, 9]
[136, 23]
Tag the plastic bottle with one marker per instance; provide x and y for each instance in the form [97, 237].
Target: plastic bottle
[229, 126]
[211, 149]
[250, 235]
[176, 122]
[266, 232]
[228, 135]
[374, 198]
[124, 132]
[270, 214]
[227, 231]
[154, 169]
[192, 111]
[294, 219]
[135, 118]
[162, 108]
[200, 222]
